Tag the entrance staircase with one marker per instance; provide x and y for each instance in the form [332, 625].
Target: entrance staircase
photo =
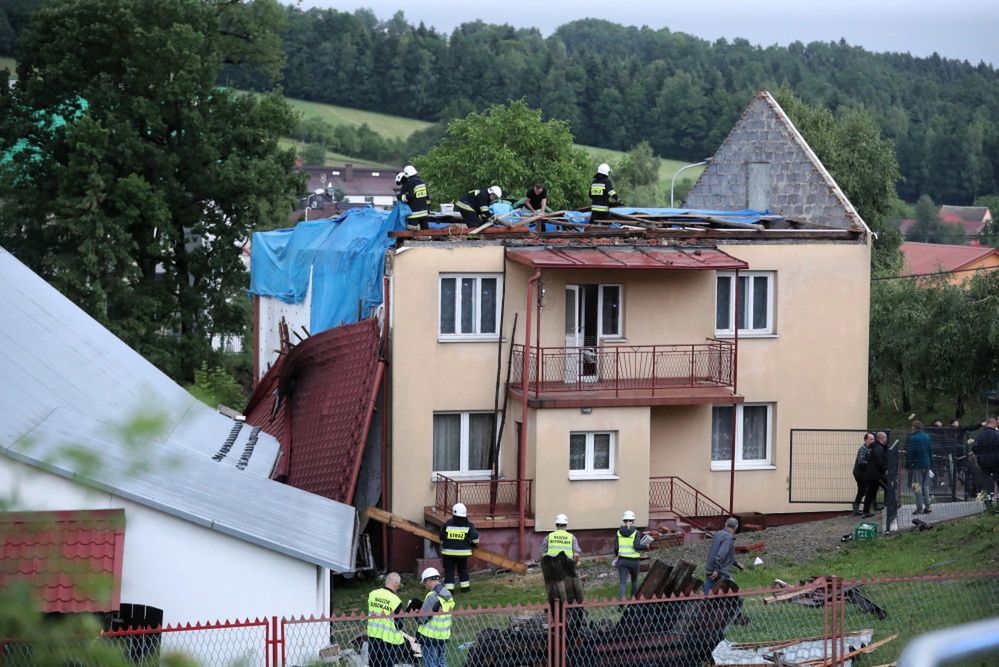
[677, 506]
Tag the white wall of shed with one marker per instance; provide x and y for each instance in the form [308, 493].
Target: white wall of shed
[297, 315]
[189, 571]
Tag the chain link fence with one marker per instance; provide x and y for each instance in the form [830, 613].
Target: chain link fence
[826, 621]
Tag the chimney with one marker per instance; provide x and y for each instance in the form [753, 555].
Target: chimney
[348, 172]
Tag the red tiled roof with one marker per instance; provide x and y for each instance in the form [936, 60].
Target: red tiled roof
[326, 385]
[656, 258]
[923, 258]
[71, 559]
[953, 215]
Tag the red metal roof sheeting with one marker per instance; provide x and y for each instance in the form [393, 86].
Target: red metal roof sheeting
[326, 385]
[617, 257]
[923, 258]
[71, 559]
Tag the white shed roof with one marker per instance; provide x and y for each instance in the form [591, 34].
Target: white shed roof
[67, 384]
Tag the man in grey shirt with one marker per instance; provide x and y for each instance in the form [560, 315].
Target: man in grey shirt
[721, 558]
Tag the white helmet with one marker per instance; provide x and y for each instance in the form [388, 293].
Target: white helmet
[495, 191]
[430, 573]
[604, 168]
[561, 520]
[409, 171]
[399, 177]
[628, 516]
[459, 509]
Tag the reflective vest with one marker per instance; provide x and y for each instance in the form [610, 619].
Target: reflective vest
[559, 542]
[456, 541]
[381, 603]
[626, 546]
[439, 625]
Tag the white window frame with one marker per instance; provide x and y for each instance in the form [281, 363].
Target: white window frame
[589, 472]
[464, 472]
[741, 463]
[600, 312]
[769, 329]
[477, 304]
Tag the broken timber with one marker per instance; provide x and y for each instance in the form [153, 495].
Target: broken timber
[394, 521]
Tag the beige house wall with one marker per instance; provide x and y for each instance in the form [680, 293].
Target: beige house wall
[590, 503]
[814, 369]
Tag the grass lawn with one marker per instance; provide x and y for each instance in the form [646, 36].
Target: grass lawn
[964, 545]
[388, 126]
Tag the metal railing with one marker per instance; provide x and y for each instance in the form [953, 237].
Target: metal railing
[825, 621]
[631, 368]
[672, 494]
[481, 497]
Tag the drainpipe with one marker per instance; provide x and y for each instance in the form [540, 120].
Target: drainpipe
[735, 386]
[386, 402]
[524, 388]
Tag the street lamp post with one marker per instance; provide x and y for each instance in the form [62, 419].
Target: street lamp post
[677, 173]
[309, 200]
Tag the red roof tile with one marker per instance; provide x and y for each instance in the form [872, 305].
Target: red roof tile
[656, 258]
[71, 559]
[326, 385]
[923, 258]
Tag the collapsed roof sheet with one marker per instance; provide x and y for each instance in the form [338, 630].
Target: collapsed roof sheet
[655, 258]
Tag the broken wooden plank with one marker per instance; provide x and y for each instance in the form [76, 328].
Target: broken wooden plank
[394, 521]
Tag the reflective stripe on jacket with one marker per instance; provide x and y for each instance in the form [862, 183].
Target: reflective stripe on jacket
[439, 625]
[382, 603]
[456, 542]
[626, 545]
[559, 542]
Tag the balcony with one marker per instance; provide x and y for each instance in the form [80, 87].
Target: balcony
[606, 375]
[490, 503]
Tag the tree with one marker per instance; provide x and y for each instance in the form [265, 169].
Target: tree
[131, 179]
[313, 154]
[927, 228]
[990, 235]
[638, 176]
[510, 146]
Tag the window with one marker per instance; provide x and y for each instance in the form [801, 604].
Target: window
[752, 436]
[469, 306]
[592, 455]
[462, 441]
[610, 311]
[756, 303]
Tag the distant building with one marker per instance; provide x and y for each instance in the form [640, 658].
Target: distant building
[960, 262]
[358, 185]
[973, 220]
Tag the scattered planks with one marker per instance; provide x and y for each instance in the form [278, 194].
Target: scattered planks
[395, 521]
[814, 595]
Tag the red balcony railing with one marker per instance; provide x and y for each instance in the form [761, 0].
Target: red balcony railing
[672, 494]
[620, 368]
[481, 497]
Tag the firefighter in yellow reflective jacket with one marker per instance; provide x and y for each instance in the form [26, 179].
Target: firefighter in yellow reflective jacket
[602, 194]
[435, 630]
[561, 540]
[474, 206]
[415, 194]
[628, 543]
[458, 538]
[385, 638]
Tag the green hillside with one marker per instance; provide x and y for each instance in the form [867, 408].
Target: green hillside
[7, 63]
[390, 127]
[666, 167]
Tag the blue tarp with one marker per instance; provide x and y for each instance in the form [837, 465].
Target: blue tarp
[344, 255]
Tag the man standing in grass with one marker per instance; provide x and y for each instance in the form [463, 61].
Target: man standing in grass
[721, 558]
[918, 460]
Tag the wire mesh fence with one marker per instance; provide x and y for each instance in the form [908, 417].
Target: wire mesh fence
[826, 621]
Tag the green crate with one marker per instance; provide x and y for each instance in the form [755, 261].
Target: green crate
[866, 530]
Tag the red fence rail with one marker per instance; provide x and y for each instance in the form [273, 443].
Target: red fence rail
[481, 497]
[617, 368]
[821, 622]
[672, 494]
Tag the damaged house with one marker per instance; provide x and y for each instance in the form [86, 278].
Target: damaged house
[657, 365]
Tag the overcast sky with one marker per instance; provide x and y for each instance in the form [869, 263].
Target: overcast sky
[964, 29]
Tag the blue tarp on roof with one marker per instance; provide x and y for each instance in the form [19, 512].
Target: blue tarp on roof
[344, 255]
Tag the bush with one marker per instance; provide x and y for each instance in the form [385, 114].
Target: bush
[214, 385]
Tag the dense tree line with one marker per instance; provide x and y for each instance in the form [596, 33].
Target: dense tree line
[617, 86]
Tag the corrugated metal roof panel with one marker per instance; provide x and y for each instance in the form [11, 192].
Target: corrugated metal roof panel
[617, 257]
